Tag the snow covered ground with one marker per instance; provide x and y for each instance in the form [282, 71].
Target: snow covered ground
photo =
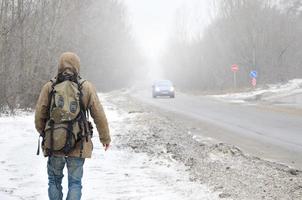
[289, 93]
[120, 173]
[179, 129]
[155, 155]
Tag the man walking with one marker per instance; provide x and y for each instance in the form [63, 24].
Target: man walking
[61, 118]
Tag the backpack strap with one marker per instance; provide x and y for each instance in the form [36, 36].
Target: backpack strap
[80, 83]
[68, 145]
[86, 110]
[38, 150]
[50, 95]
[51, 137]
[83, 115]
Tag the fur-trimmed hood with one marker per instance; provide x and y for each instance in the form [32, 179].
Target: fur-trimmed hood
[69, 60]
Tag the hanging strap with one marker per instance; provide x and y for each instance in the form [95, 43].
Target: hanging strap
[80, 136]
[52, 124]
[68, 144]
[38, 150]
[83, 116]
[81, 148]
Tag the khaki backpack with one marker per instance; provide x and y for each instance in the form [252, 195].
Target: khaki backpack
[67, 124]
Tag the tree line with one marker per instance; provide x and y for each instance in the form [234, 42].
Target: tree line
[33, 34]
[254, 34]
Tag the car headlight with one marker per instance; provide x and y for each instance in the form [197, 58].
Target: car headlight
[172, 89]
[157, 89]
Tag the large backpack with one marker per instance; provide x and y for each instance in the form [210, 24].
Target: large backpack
[67, 124]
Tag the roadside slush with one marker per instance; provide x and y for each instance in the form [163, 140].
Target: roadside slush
[225, 168]
[260, 130]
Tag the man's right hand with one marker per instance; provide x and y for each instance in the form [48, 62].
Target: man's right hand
[106, 146]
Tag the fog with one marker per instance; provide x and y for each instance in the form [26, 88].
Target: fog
[203, 98]
[153, 24]
[195, 43]
[123, 43]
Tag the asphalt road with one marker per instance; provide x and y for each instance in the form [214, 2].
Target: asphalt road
[269, 132]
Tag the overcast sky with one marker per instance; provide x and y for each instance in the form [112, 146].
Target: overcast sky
[153, 22]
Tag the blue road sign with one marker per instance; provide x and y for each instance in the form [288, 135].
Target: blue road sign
[253, 74]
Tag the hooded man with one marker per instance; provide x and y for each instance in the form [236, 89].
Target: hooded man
[69, 66]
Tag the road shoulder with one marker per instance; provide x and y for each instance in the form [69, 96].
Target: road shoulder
[226, 169]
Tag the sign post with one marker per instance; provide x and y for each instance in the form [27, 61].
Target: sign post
[234, 69]
[254, 75]
[254, 82]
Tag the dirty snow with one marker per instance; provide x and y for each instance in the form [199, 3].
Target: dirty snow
[154, 156]
[119, 173]
[289, 93]
[224, 168]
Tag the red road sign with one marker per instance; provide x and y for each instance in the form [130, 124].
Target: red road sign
[235, 68]
[254, 82]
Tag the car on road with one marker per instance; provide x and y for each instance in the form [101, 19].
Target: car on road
[163, 88]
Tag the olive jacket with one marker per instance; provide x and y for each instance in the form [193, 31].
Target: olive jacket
[70, 61]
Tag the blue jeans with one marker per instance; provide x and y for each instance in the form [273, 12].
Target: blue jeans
[55, 166]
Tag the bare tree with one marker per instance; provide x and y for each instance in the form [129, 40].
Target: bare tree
[33, 33]
[256, 35]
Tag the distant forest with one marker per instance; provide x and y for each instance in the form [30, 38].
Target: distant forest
[261, 35]
[33, 34]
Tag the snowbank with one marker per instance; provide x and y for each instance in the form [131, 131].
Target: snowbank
[119, 173]
[289, 93]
